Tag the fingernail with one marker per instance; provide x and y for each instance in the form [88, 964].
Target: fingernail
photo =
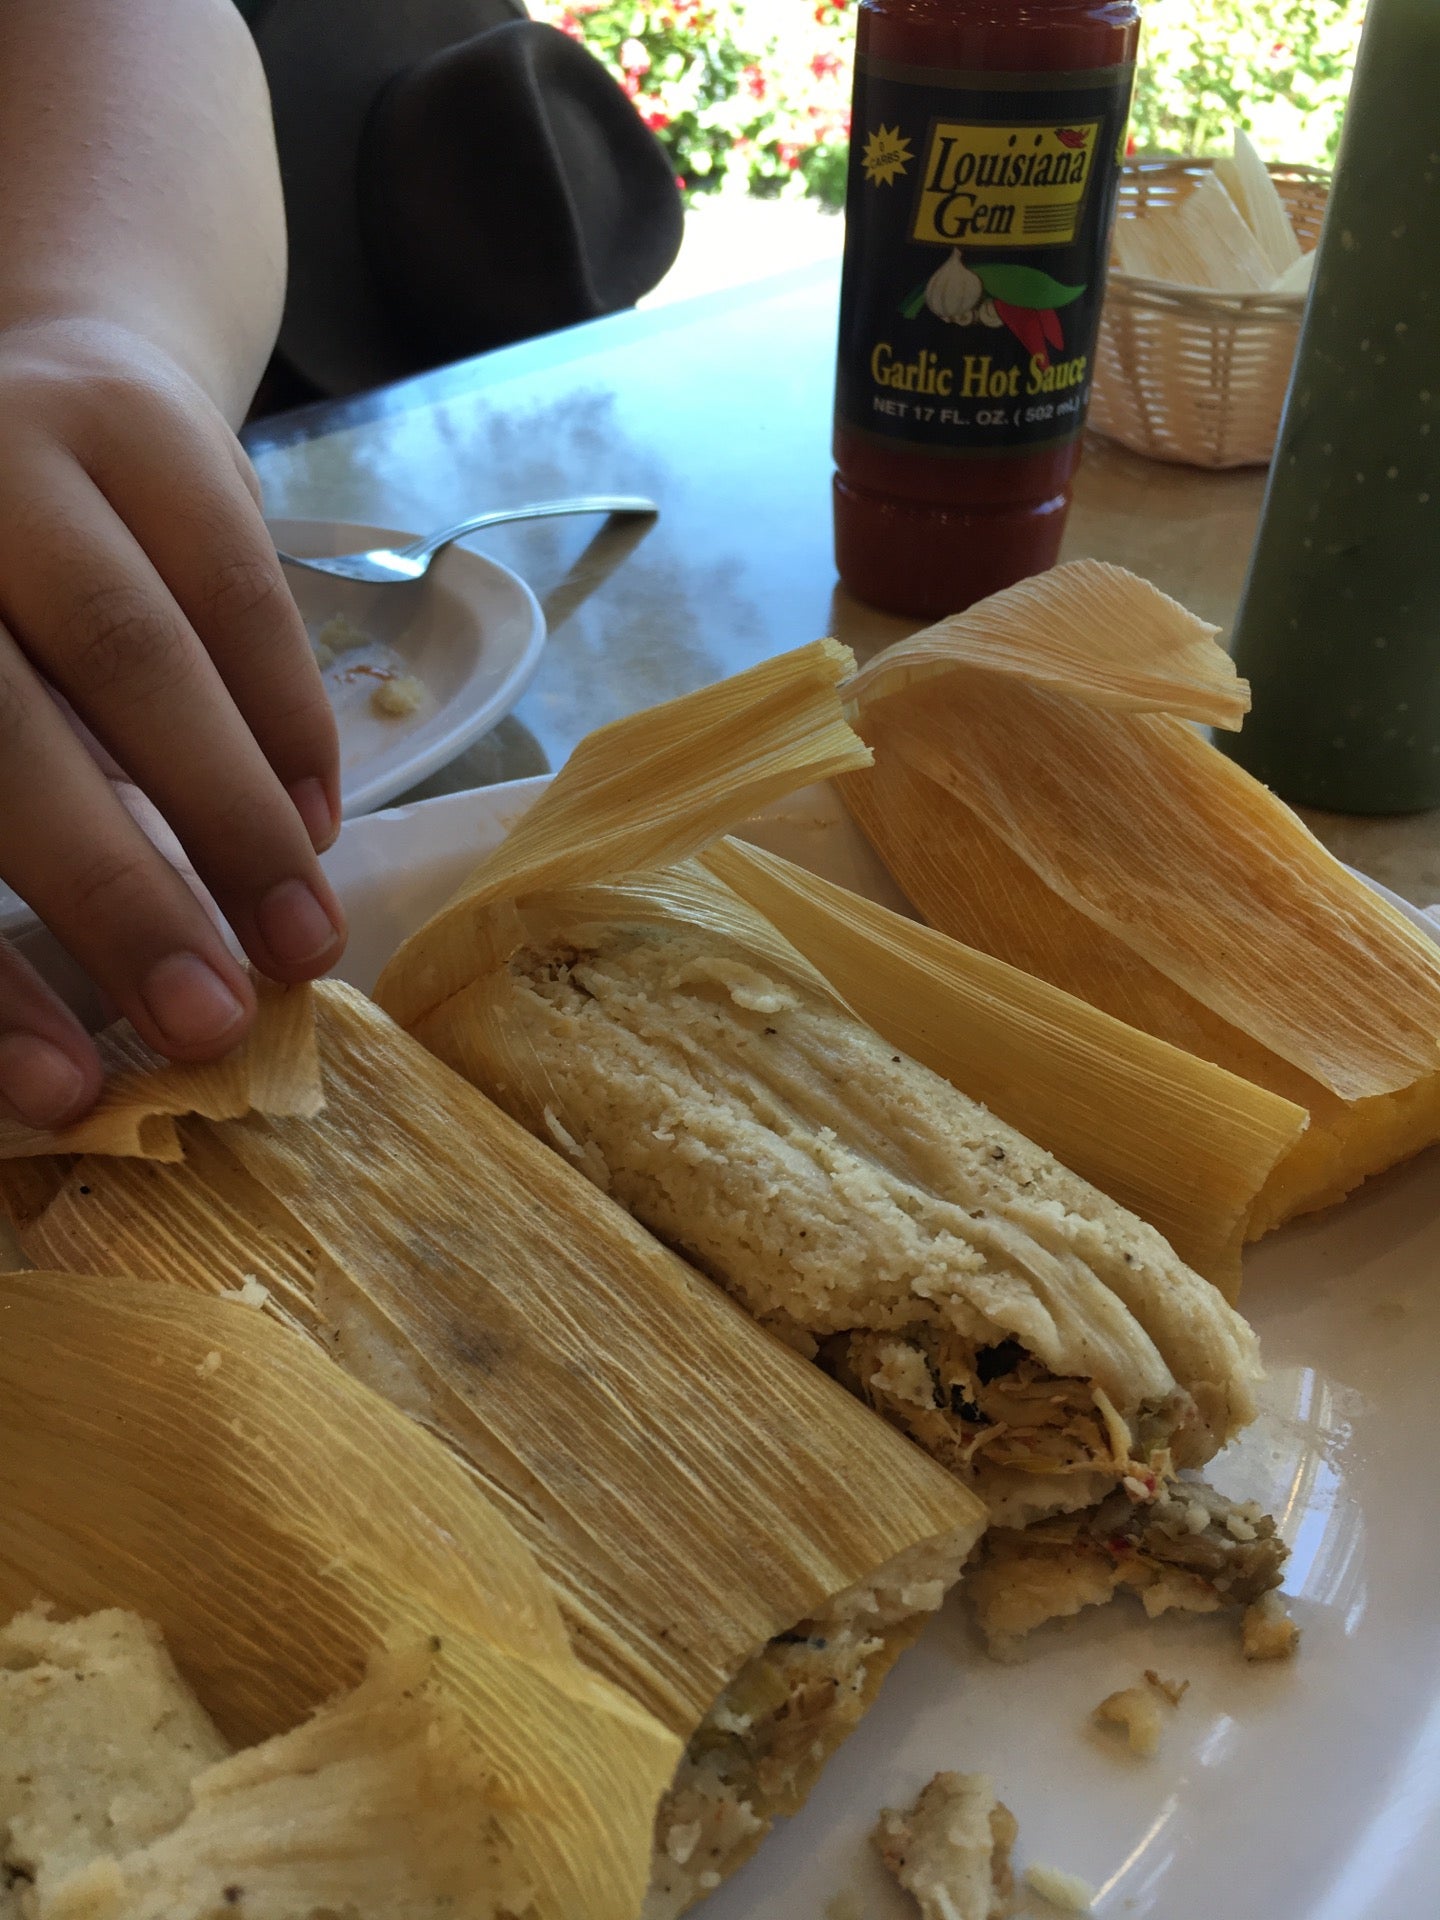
[41, 1083]
[189, 1002]
[294, 925]
[312, 803]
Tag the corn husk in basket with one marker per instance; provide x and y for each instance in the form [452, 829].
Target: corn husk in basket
[287, 1529]
[689, 1487]
[554, 884]
[1117, 854]
[1185, 373]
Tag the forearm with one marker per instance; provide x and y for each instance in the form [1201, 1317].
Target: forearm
[138, 181]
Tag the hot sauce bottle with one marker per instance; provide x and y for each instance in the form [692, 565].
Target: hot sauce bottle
[986, 140]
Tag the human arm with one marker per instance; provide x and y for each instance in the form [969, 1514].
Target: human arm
[141, 278]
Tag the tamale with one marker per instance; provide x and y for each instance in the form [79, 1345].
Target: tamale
[188, 1461]
[729, 1536]
[1120, 856]
[1182, 1143]
[1041, 1342]
[120, 1801]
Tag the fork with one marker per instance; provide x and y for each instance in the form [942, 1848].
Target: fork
[384, 566]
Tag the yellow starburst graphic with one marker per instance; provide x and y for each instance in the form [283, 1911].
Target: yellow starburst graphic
[886, 156]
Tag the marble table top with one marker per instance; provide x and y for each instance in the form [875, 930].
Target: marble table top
[718, 408]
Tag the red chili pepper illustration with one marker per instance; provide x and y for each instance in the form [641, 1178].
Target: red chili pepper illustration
[1070, 136]
[1032, 327]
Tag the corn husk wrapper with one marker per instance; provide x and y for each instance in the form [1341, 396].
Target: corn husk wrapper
[690, 1487]
[696, 765]
[1248, 181]
[190, 1461]
[274, 1070]
[1096, 642]
[1121, 857]
[1180, 1142]
[1203, 241]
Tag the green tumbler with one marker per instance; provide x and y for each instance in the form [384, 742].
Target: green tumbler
[1339, 625]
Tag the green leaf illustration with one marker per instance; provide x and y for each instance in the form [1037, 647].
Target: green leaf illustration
[1023, 286]
[914, 301]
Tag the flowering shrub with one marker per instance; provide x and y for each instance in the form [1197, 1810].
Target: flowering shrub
[755, 94]
[751, 95]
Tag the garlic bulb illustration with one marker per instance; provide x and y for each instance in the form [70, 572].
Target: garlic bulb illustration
[987, 316]
[953, 292]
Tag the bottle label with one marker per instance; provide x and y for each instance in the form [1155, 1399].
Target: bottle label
[978, 216]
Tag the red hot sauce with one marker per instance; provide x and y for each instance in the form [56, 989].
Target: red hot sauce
[986, 141]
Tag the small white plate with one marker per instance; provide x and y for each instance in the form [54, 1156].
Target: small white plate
[471, 633]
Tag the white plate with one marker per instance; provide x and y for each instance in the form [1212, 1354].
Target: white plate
[471, 632]
[1304, 1792]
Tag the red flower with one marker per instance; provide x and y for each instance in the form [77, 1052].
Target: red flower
[652, 112]
[823, 65]
[569, 24]
[754, 82]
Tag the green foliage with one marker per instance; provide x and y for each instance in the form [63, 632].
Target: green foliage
[753, 95]
[1280, 68]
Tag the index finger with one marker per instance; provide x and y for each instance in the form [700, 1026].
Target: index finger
[73, 853]
[182, 496]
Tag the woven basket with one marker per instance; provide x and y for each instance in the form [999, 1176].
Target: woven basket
[1188, 375]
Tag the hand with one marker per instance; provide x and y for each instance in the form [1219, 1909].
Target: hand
[137, 580]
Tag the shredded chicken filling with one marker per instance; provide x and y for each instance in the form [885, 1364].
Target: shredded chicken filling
[759, 1750]
[1187, 1547]
[998, 1406]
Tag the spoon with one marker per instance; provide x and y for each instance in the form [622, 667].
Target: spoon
[384, 566]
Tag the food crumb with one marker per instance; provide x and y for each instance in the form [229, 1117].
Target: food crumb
[1137, 1713]
[341, 635]
[1173, 1690]
[397, 698]
[1266, 1630]
[1067, 1891]
[210, 1364]
[251, 1292]
[951, 1850]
